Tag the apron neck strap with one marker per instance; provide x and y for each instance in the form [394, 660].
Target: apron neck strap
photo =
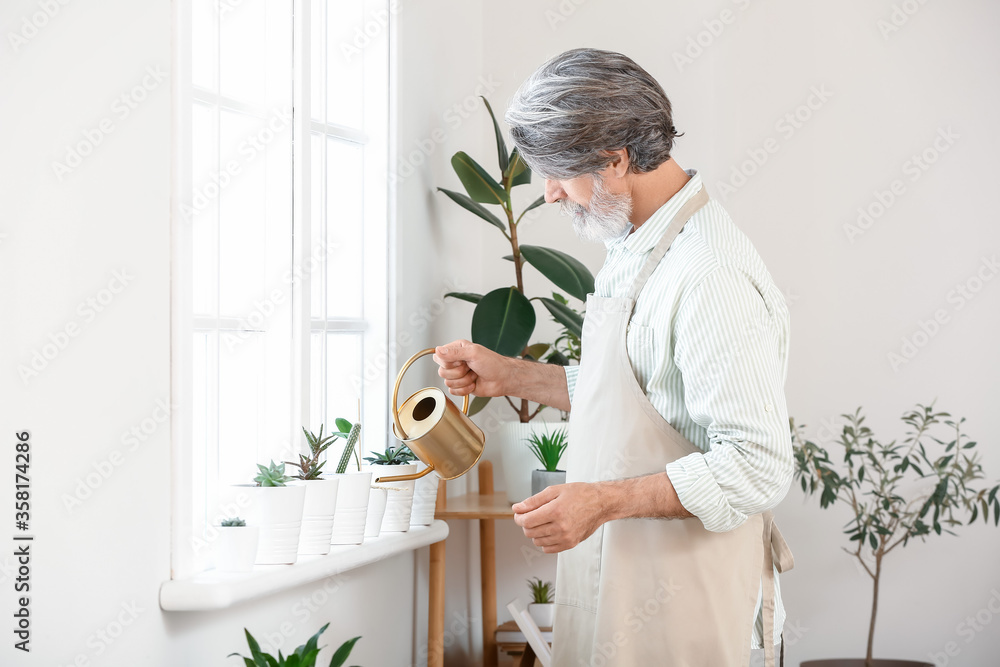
[689, 208]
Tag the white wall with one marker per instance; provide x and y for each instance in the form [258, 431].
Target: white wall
[851, 303]
[60, 243]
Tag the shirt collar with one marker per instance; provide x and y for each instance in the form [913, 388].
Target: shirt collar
[644, 239]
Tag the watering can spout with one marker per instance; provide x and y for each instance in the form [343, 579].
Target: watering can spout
[436, 431]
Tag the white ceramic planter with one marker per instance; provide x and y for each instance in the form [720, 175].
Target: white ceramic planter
[317, 515]
[352, 507]
[400, 499]
[376, 511]
[541, 614]
[277, 511]
[424, 498]
[236, 548]
[518, 461]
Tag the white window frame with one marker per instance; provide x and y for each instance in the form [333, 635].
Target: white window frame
[378, 300]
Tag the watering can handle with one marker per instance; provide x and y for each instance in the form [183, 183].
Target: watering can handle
[399, 379]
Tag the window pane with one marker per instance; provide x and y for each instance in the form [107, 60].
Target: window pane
[317, 225]
[202, 213]
[317, 62]
[344, 58]
[242, 51]
[335, 380]
[241, 366]
[344, 228]
[204, 37]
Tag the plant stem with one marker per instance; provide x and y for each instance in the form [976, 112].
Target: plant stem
[515, 248]
[871, 625]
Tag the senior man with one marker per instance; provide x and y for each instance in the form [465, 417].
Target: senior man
[679, 442]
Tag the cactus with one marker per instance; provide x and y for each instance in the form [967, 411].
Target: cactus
[352, 432]
[272, 476]
[234, 522]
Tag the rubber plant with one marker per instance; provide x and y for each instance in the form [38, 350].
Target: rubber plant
[504, 318]
[897, 492]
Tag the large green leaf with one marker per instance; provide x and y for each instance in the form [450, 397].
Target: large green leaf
[536, 351]
[340, 657]
[501, 146]
[478, 403]
[564, 315]
[535, 204]
[517, 169]
[465, 296]
[469, 205]
[503, 322]
[482, 187]
[568, 273]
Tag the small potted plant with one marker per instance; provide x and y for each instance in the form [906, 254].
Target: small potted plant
[304, 656]
[321, 494]
[399, 495]
[351, 510]
[896, 493]
[548, 448]
[276, 508]
[236, 546]
[542, 604]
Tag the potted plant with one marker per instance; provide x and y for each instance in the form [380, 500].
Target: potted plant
[504, 318]
[236, 546]
[424, 498]
[548, 448]
[304, 656]
[351, 510]
[542, 604]
[896, 492]
[399, 496]
[275, 506]
[321, 494]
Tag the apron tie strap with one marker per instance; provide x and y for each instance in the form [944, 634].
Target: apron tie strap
[776, 554]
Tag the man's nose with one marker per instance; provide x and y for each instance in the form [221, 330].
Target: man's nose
[553, 191]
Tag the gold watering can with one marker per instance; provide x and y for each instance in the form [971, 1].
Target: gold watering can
[441, 435]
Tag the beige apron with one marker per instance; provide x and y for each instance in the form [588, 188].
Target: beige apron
[645, 592]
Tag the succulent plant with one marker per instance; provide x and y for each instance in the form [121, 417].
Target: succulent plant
[541, 591]
[548, 448]
[310, 466]
[272, 476]
[352, 432]
[234, 522]
[393, 457]
[304, 656]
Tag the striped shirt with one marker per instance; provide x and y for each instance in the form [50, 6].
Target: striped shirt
[708, 341]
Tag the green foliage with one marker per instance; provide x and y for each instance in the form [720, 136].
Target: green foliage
[272, 476]
[541, 592]
[895, 492]
[304, 656]
[504, 318]
[392, 457]
[233, 523]
[310, 467]
[352, 432]
[548, 448]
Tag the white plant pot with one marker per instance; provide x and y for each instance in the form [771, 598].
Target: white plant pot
[376, 510]
[277, 511]
[236, 548]
[400, 499]
[317, 515]
[541, 614]
[424, 498]
[352, 507]
[518, 461]
[542, 479]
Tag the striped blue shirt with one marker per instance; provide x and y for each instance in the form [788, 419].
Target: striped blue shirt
[709, 343]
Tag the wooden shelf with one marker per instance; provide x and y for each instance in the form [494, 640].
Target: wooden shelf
[475, 506]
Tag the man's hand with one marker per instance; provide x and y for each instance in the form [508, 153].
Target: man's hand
[468, 368]
[561, 516]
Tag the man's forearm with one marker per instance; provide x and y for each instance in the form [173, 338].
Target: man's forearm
[538, 382]
[650, 496]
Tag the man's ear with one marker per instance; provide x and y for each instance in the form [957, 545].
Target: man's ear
[618, 162]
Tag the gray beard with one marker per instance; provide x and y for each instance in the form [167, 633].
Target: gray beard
[606, 219]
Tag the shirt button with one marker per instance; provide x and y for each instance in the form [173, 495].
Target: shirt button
[768, 407]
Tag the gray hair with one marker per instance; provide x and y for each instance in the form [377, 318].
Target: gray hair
[569, 115]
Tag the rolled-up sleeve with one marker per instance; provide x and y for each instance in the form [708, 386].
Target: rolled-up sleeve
[571, 373]
[727, 347]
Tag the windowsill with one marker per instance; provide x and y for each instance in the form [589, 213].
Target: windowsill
[220, 590]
